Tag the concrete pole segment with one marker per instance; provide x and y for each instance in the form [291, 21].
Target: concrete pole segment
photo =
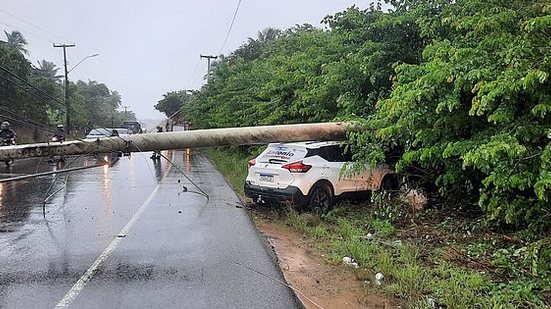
[183, 139]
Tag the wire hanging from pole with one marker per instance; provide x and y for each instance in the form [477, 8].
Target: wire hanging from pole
[231, 26]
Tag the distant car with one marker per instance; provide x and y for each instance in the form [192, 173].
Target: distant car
[309, 174]
[98, 133]
[121, 131]
[107, 132]
[133, 126]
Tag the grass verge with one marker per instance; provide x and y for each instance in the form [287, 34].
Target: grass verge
[435, 258]
[232, 163]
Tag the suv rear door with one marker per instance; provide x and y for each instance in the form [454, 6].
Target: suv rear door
[267, 171]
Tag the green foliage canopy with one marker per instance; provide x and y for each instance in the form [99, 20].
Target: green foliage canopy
[30, 93]
[475, 113]
[454, 94]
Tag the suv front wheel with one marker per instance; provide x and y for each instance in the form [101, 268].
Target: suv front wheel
[321, 199]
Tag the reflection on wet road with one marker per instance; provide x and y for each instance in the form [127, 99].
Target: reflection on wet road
[167, 247]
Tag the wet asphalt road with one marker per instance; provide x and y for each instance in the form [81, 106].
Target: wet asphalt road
[132, 236]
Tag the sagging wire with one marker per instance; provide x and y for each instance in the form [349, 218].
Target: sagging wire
[141, 152]
[200, 192]
[55, 179]
[231, 27]
[67, 175]
[53, 183]
[57, 172]
[37, 89]
[38, 165]
[128, 143]
[275, 280]
[66, 170]
[105, 148]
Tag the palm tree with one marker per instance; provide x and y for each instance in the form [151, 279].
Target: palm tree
[252, 49]
[268, 34]
[48, 70]
[16, 41]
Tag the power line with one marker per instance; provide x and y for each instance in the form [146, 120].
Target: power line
[29, 84]
[42, 91]
[27, 32]
[25, 120]
[36, 27]
[38, 89]
[231, 26]
[24, 123]
[20, 86]
[192, 76]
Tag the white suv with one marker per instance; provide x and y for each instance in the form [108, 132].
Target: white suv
[310, 174]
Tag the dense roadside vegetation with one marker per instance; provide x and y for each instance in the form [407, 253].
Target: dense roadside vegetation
[454, 94]
[435, 256]
[31, 97]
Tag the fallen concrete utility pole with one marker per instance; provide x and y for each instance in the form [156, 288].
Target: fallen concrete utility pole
[183, 139]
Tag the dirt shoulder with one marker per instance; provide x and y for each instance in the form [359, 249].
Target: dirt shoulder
[317, 283]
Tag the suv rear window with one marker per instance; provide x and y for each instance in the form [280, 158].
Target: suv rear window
[282, 154]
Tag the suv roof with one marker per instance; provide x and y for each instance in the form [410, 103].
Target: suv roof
[309, 144]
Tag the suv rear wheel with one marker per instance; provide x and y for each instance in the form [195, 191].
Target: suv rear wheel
[321, 199]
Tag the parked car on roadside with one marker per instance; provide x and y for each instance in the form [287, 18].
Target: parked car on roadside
[133, 126]
[310, 175]
[107, 132]
[121, 131]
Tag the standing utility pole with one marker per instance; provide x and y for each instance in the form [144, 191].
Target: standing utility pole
[125, 107]
[66, 85]
[208, 65]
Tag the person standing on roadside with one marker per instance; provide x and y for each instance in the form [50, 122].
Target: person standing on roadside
[157, 153]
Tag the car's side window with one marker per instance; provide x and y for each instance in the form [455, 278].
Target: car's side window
[318, 152]
[346, 154]
[337, 153]
[311, 153]
[322, 152]
[332, 153]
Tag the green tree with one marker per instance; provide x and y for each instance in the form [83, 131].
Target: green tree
[16, 92]
[96, 105]
[171, 102]
[474, 115]
[454, 93]
[48, 70]
[12, 62]
[268, 34]
[17, 41]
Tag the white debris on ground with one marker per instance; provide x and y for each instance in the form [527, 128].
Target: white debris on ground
[350, 262]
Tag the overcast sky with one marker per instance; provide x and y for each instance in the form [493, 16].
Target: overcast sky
[150, 47]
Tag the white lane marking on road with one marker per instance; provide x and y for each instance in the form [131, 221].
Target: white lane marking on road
[84, 279]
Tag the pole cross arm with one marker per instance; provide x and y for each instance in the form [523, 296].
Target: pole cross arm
[184, 139]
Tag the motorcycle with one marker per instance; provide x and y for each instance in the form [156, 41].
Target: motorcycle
[8, 142]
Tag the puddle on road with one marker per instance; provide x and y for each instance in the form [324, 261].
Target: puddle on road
[18, 199]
